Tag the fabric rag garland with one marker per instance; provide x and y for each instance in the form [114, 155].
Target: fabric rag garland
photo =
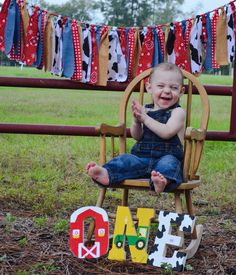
[96, 54]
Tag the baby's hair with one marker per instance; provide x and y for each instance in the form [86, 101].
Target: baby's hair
[168, 67]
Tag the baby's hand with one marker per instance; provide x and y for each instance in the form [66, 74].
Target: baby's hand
[137, 110]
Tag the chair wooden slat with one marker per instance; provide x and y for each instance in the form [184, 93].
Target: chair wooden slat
[189, 103]
[141, 92]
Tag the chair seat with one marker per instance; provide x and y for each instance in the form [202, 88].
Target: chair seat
[144, 184]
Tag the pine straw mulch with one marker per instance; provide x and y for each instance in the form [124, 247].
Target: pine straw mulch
[45, 252]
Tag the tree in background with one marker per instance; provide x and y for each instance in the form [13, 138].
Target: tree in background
[118, 12]
[125, 12]
[140, 12]
[81, 10]
[166, 11]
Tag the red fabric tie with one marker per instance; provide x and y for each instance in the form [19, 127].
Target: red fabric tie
[131, 40]
[161, 37]
[179, 49]
[31, 41]
[122, 36]
[145, 60]
[214, 20]
[94, 67]
[3, 21]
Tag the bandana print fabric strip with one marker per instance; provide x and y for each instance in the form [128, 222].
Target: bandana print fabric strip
[123, 41]
[179, 49]
[3, 20]
[77, 51]
[32, 36]
[94, 61]
[145, 60]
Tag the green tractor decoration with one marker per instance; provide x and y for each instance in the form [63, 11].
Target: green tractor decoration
[138, 241]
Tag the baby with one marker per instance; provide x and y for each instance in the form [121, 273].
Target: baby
[159, 131]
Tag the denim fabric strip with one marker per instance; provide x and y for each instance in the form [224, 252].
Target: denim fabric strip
[16, 39]
[68, 51]
[98, 36]
[10, 27]
[40, 46]
[155, 58]
[208, 59]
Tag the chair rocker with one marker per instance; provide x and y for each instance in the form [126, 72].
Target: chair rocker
[193, 146]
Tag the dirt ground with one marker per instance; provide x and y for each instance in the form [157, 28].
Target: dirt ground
[26, 249]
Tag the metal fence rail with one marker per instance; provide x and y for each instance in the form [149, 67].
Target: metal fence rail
[43, 129]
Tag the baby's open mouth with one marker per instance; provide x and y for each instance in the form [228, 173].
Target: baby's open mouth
[165, 98]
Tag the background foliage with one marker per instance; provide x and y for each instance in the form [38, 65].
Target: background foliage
[119, 13]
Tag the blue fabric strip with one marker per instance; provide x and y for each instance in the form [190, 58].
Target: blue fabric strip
[208, 60]
[68, 51]
[10, 27]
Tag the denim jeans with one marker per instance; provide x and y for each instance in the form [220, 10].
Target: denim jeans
[129, 166]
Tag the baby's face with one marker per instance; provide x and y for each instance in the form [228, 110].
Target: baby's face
[165, 88]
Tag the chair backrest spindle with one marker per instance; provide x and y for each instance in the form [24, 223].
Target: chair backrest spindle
[189, 103]
[141, 91]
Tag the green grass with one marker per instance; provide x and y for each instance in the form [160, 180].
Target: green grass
[19, 71]
[46, 173]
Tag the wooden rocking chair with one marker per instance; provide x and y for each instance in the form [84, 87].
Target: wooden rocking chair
[193, 145]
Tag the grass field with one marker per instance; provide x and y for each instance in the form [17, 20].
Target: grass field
[46, 173]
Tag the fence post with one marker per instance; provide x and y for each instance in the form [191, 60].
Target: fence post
[232, 129]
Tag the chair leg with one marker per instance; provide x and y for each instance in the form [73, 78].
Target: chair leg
[178, 203]
[101, 197]
[189, 205]
[198, 229]
[178, 209]
[99, 203]
[125, 197]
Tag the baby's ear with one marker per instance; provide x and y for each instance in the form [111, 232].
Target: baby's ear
[148, 85]
[182, 91]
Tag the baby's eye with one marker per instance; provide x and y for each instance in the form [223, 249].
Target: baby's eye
[160, 86]
[174, 87]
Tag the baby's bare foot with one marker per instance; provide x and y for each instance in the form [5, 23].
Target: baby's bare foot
[97, 173]
[159, 181]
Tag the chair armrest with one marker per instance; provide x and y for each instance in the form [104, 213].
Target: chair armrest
[106, 129]
[195, 134]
